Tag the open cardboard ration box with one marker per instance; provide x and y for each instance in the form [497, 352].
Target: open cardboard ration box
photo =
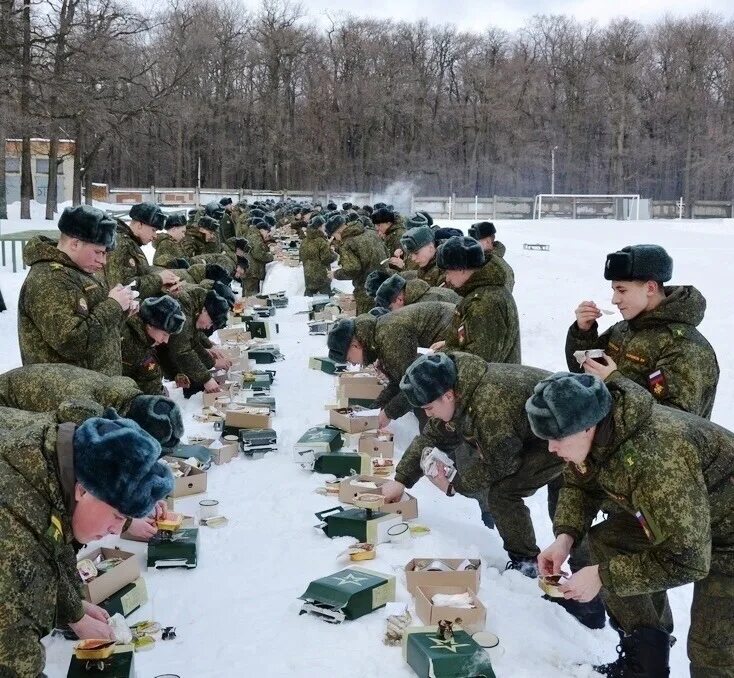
[376, 444]
[350, 487]
[221, 451]
[472, 619]
[239, 415]
[358, 388]
[110, 582]
[236, 334]
[187, 479]
[353, 419]
[447, 574]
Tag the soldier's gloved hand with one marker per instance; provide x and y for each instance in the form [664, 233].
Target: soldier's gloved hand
[592, 366]
[393, 491]
[89, 627]
[551, 559]
[587, 313]
[143, 528]
[582, 585]
[211, 386]
[168, 278]
[122, 295]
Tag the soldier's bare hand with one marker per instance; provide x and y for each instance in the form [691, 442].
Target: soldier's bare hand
[396, 262]
[551, 559]
[182, 381]
[222, 363]
[95, 611]
[598, 369]
[89, 627]
[160, 510]
[587, 312]
[437, 346]
[122, 295]
[211, 386]
[392, 491]
[583, 585]
[143, 528]
[168, 278]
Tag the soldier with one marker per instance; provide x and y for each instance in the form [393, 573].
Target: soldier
[65, 313]
[397, 292]
[128, 264]
[226, 223]
[259, 256]
[484, 233]
[663, 479]
[169, 252]
[486, 322]
[419, 244]
[657, 344]
[61, 485]
[157, 320]
[317, 257]
[390, 231]
[393, 340]
[360, 252]
[186, 358]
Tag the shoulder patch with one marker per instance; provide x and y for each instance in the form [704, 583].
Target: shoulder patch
[657, 384]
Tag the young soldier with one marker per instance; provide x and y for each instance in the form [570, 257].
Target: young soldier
[65, 313]
[393, 340]
[486, 322]
[169, 252]
[397, 292]
[317, 257]
[484, 233]
[157, 320]
[663, 479]
[259, 256]
[227, 223]
[360, 252]
[657, 344]
[61, 485]
[201, 238]
[127, 263]
[419, 244]
[390, 231]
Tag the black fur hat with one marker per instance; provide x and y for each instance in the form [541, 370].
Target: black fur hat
[639, 262]
[217, 273]
[164, 313]
[346, 206]
[225, 201]
[373, 282]
[214, 210]
[382, 216]
[148, 213]
[340, 336]
[225, 291]
[335, 223]
[389, 290]
[331, 206]
[175, 219]
[208, 224]
[89, 224]
[317, 222]
[460, 253]
[444, 233]
[218, 309]
[242, 244]
[428, 378]
[482, 229]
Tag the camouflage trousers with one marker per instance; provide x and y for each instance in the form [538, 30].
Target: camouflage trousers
[21, 653]
[711, 634]
[250, 286]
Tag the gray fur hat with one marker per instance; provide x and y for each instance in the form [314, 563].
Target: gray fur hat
[340, 336]
[317, 222]
[89, 224]
[639, 262]
[459, 253]
[389, 290]
[164, 313]
[416, 221]
[335, 223]
[159, 416]
[565, 403]
[428, 378]
[373, 282]
[416, 238]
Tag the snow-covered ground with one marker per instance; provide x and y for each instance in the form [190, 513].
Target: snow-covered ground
[237, 613]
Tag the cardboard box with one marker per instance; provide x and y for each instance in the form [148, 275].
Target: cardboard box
[221, 451]
[326, 365]
[364, 525]
[194, 482]
[472, 620]
[350, 487]
[359, 386]
[119, 665]
[237, 334]
[110, 582]
[415, 577]
[246, 416]
[432, 657]
[377, 444]
[175, 549]
[348, 594]
[341, 463]
[127, 599]
[353, 419]
[219, 400]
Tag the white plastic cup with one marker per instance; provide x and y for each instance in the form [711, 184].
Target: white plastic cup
[208, 508]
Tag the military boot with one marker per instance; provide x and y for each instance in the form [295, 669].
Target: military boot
[642, 654]
[526, 566]
[591, 614]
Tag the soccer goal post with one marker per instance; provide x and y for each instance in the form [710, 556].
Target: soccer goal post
[623, 206]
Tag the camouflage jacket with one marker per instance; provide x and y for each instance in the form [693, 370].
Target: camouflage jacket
[671, 470]
[167, 250]
[194, 244]
[73, 393]
[127, 262]
[258, 256]
[490, 417]
[65, 315]
[39, 582]
[429, 273]
[317, 257]
[360, 253]
[227, 226]
[185, 352]
[394, 339]
[486, 321]
[499, 251]
[140, 358]
[417, 290]
[392, 239]
[663, 340]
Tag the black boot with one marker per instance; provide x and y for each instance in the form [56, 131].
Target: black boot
[642, 654]
[526, 566]
[591, 614]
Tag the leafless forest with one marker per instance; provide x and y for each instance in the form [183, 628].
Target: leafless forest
[280, 99]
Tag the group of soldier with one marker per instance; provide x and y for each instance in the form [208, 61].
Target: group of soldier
[626, 432]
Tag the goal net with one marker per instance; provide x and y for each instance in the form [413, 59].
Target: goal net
[621, 206]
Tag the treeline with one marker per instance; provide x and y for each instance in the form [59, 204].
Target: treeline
[272, 100]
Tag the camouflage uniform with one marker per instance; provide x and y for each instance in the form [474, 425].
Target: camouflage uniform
[227, 226]
[258, 257]
[429, 273]
[127, 262]
[185, 352]
[498, 459]
[140, 358]
[664, 339]
[360, 253]
[39, 585]
[392, 239]
[417, 290]
[486, 322]
[65, 315]
[665, 479]
[394, 339]
[194, 244]
[317, 257]
[75, 394]
[166, 251]
[499, 251]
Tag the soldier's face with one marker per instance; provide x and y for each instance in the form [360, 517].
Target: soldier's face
[157, 335]
[631, 297]
[177, 233]
[442, 408]
[399, 302]
[424, 255]
[458, 278]
[93, 518]
[208, 235]
[90, 258]
[487, 243]
[144, 232]
[574, 448]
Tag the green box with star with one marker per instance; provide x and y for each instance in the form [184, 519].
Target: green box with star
[119, 665]
[354, 591]
[459, 657]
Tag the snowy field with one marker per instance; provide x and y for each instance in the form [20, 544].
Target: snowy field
[237, 613]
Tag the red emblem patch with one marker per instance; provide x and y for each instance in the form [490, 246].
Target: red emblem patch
[656, 384]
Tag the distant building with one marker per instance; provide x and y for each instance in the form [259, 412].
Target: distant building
[39, 169]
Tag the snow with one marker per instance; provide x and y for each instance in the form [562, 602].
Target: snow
[237, 612]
